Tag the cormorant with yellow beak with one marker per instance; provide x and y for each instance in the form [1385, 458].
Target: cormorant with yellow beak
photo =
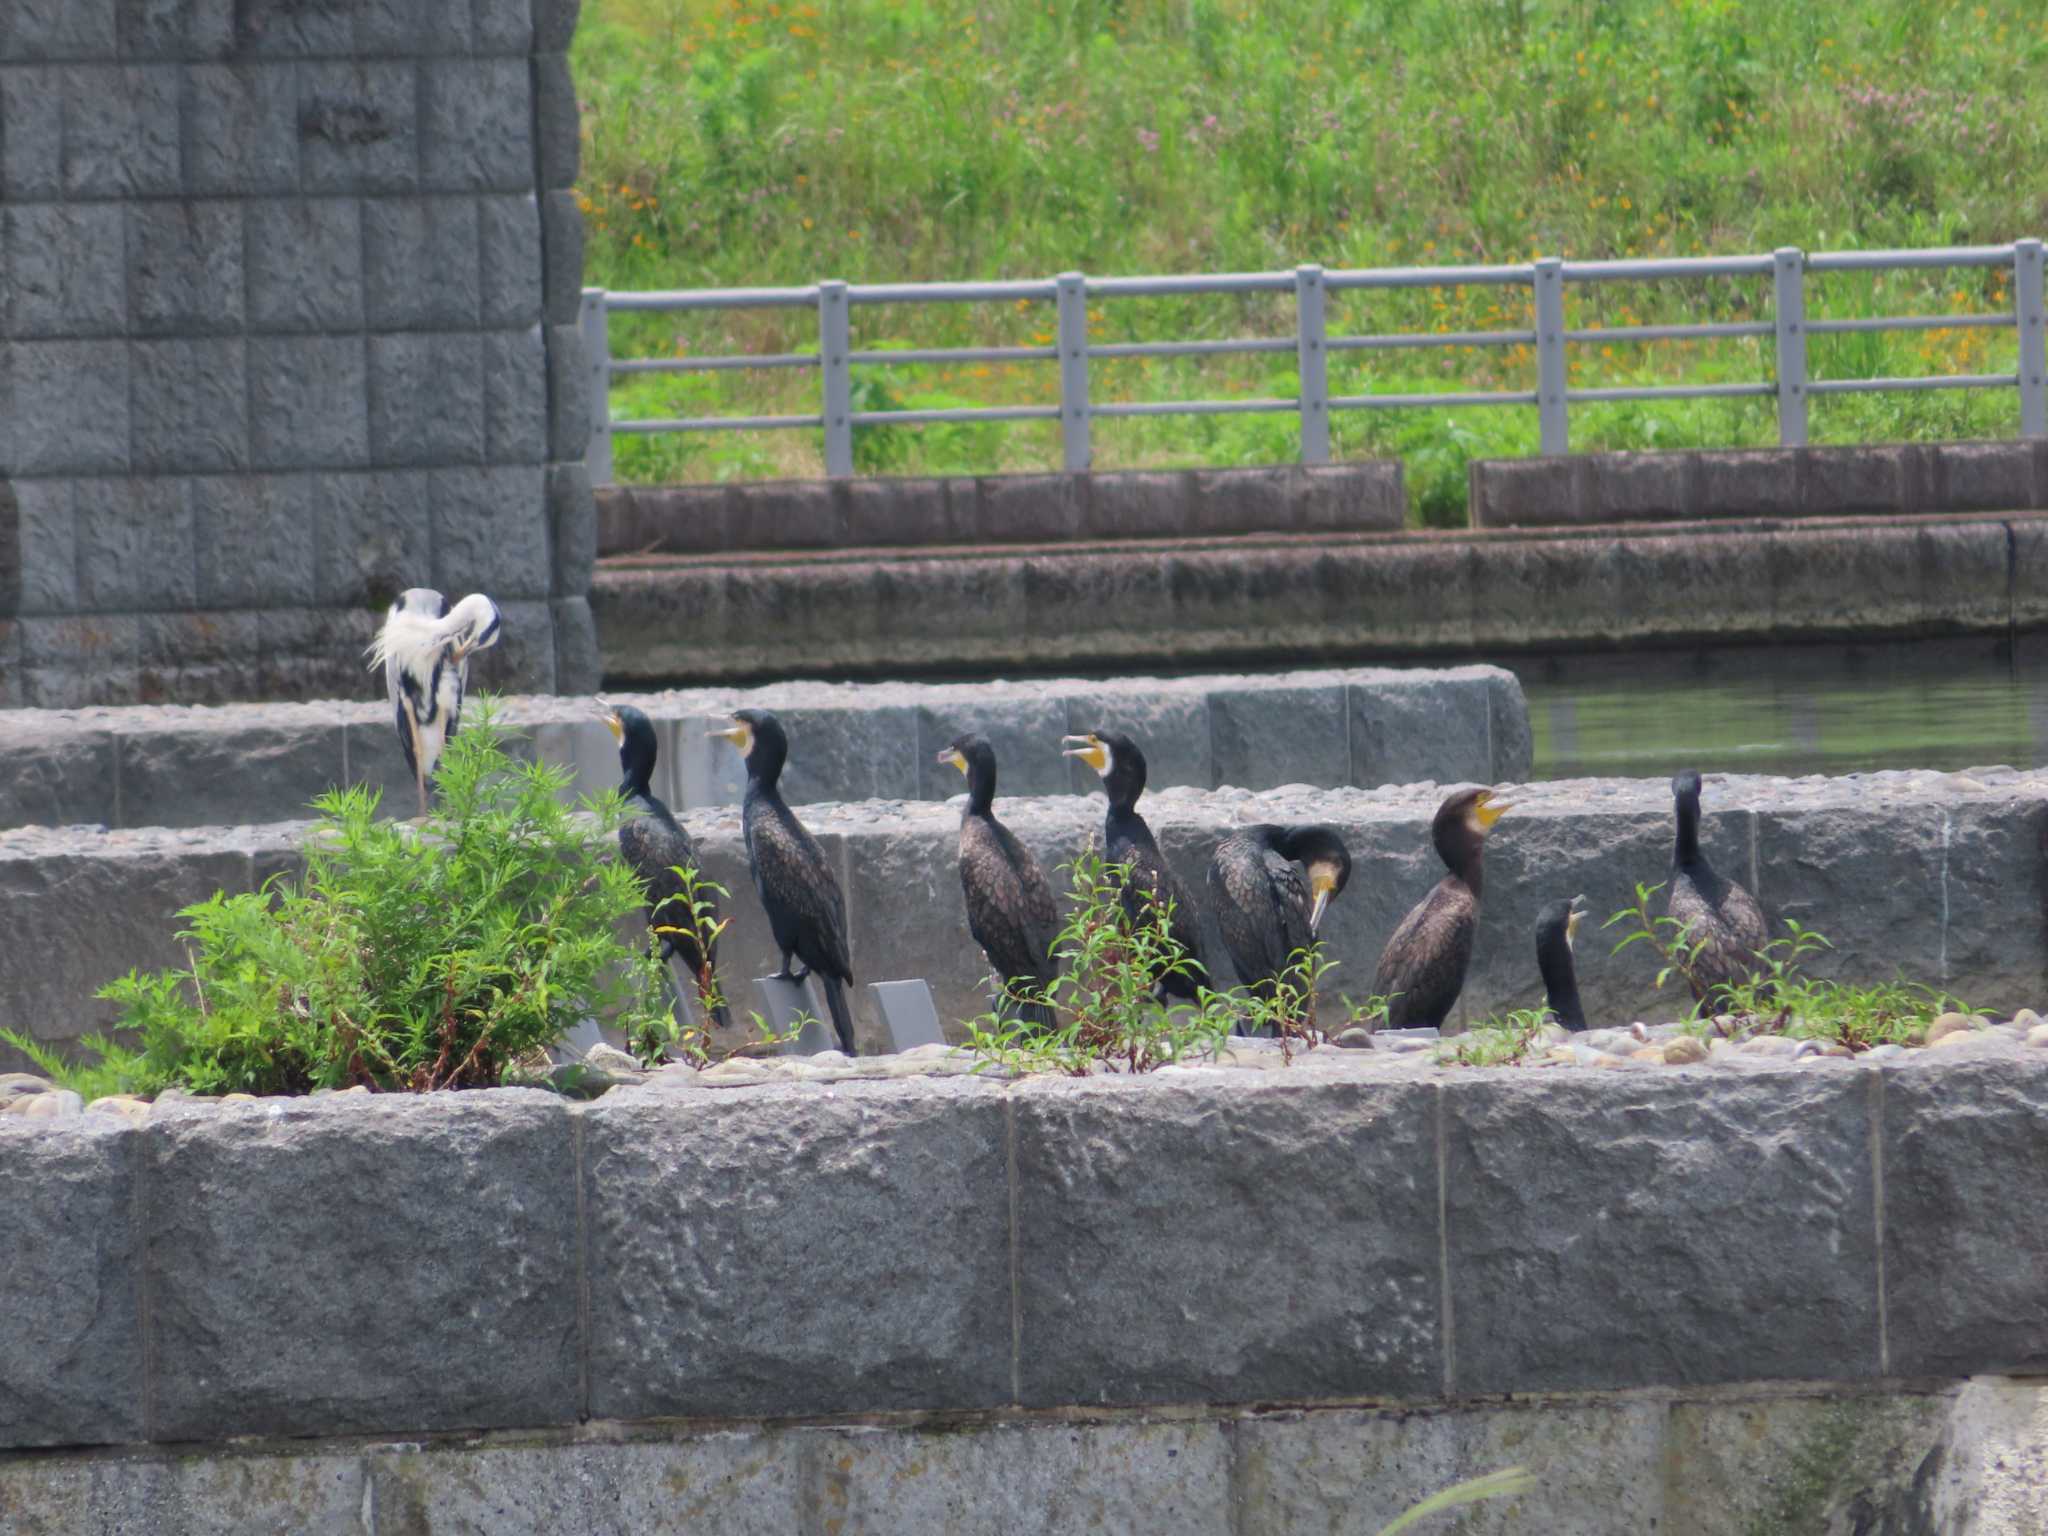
[1556, 925]
[1718, 914]
[1266, 908]
[1010, 910]
[1422, 969]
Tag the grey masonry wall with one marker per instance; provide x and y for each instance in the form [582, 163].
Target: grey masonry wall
[289, 310]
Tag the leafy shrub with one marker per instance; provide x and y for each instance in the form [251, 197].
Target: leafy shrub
[403, 958]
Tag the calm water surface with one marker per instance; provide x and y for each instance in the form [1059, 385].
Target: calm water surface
[1790, 709]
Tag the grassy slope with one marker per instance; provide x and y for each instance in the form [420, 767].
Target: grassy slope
[745, 143]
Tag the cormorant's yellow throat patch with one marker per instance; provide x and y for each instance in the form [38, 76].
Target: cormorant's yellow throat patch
[740, 734]
[954, 756]
[1091, 751]
[1486, 810]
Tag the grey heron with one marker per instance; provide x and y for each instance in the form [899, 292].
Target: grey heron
[424, 648]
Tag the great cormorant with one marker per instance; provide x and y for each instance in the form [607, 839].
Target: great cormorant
[424, 649]
[806, 909]
[1267, 908]
[1555, 926]
[1127, 840]
[1718, 914]
[656, 846]
[1422, 969]
[1010, 909]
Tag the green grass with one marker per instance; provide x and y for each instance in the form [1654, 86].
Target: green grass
[746, 143]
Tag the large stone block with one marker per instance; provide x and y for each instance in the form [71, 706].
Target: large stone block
[176, 29]
[72, 1340]
[426, 399]
[557, 124]
[504, 27]
[1917, 578]
[31, 134]
[185, 267]
[476, 125]
[256, 538]
[1964, 1149]
[358, 124]
[308, 402]
[509, 261]
[371, 536]
[490, 531]
[62, 272]
[1720, 574]
[420, 269]
[1636, 487]
[1992, 880]
[191, 405]
[783, 514]
[572, 519]
[1261, 499]
[1295, 735]
[1351, 498]
[1025, 509]
[58, 29]
[554, 24]
[201, 775]
[1511, 739]
[1748, 482]
[561, 232]
[1031, 1478]
[120, 131]
[1986, 477]
[1169, 721]
[515, 397]
[705, 1229]
[568, 394]
[1189, 1244]
[64, 407]
[39, 552]
[57, 776]
[1742, 1211]
[1511, 493]
[1864, 478]
[1599, 1468]
[436, 1291]
[295, 29]
[1140, 504]
[241, 129]
[136, 544]
[579, 664]
[305, 264]
[899, 510]
[403, 27]
[1436, 726]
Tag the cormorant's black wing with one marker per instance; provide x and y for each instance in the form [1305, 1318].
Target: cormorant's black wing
[1422, 969]
[797, 887]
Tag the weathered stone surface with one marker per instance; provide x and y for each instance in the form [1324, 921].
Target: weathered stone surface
[241, 129]
[561, 231]
[136, 544]
[706, 1231]
[476, 124]
[1961, 1253]
[185, 267]
[557, 135]
[1598, 1468]
[255, 536]
[1986, 477]
[1036, 1478]
[358, 126]
[70, 1339]
[38, 548]
[1505, 493]
[305, 264]
[120, 130]
[1750, 1199]
[65, 276]
[1286, 735]
[1146, 1219]
[65, 407]
[426, 399]
[421, 263]
[434, 1288]
[200, 776]
[509, 263]
[191, 405]
[1635, 487]
[572, 522]
[1406, 727]
[515, 398]
[308, 404]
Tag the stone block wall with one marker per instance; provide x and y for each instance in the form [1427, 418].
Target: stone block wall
[289, 298]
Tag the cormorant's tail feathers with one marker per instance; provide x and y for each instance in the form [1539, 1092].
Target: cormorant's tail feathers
[842, 1021]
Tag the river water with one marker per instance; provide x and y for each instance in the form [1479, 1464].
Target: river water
[1789, 709]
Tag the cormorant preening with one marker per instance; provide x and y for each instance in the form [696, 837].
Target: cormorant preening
[1422, 969]
[1127, 840]
[655, 847]
[424, 648]
[1715, 910]
[1266, 908]
[1010, 909]
[1555, 925]
[806, 909]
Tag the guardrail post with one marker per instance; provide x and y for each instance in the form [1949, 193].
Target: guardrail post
[1071, 289]
[833, 348]
[1313, 359]
[592, 318]
[1788, 278]
[2033, 325]
[1552, 423]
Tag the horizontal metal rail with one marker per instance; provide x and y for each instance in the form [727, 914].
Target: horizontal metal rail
[1547, 280]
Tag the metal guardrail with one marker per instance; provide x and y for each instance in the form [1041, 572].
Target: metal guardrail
[1312, 345]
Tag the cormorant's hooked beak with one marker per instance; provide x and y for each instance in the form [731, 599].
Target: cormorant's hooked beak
[739, 733]
[1091, 751]
[1486, 810]
[1323, 884]
[1571, 921]
[954, 756]
[610, 715]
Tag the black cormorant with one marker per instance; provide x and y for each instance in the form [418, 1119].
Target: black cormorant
[1422, 969]
[1716, 911]
[1266, 908]
[424, 648]
[806, 909]
[1555, 926]
[1127, 840]
[1010, 909]
[656, 846]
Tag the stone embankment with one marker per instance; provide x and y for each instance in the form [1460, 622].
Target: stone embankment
[241, 764]
[1698, 1298]
[1938, 878]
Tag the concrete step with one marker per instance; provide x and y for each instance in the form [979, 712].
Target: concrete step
[1296, 599]
[1933, 876]
[168, 766]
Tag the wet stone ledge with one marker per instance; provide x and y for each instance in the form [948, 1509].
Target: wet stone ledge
[840, 1245]
[1939, 877]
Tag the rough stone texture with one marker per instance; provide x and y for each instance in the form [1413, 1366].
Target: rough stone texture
[432, 1286]
[1003, 509]
[843, 1253]
[1962, 1260]
[70, 1336]
[1189, 1244]
[1742, 1211]
[1832, 481]
[246, 236]
[1288, 600]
